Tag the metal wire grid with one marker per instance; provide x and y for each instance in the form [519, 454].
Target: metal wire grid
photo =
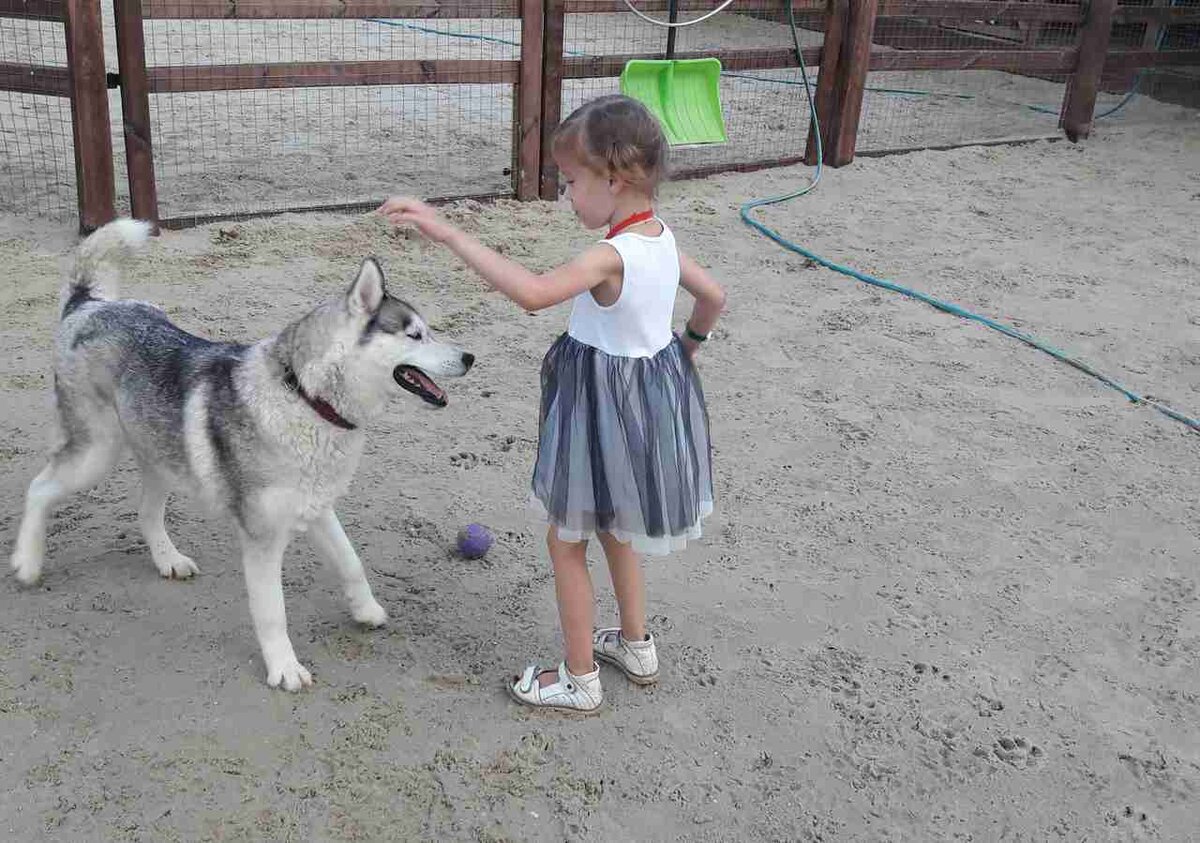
[245, 151]
[37, 158]
[1175, 85]
[934, 108]
[766, 113]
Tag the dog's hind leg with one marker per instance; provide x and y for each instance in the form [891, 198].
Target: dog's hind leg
[331, 541]
[262, 559]
[77, 466]
[167, 558]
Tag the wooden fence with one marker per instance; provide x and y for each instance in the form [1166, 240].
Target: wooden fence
[859, 37]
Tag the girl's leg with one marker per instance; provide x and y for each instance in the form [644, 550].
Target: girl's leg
[576, 603]
[625, 568]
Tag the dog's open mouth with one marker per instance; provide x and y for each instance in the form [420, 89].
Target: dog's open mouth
[420, 384]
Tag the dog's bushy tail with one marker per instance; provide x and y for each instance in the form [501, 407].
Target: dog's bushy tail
[96, 261]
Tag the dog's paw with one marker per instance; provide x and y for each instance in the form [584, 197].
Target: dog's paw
[370, 614]
[27, 567]
[177, 567]
[290, 675]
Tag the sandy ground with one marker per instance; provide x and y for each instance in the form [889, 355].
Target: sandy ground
[254, 150]
[949, 592]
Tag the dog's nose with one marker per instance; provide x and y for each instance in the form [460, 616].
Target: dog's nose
[468, 360]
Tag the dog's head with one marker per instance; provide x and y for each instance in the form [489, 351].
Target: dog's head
[384, 344]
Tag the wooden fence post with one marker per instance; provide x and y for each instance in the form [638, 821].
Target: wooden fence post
[1080, 100]
[552, 68]
[825, 99]
[527, 154]
[135, 110]
[89, 114]
[853, 63]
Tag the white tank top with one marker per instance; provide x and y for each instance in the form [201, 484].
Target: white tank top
[638, 323]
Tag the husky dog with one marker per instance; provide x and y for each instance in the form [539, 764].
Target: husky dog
[269, 434]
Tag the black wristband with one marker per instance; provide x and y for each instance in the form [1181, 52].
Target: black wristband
[692, 335]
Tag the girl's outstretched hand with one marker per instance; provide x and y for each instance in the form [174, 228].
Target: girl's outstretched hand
[404, 210]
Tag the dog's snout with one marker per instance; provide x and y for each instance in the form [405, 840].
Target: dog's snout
[468, 360]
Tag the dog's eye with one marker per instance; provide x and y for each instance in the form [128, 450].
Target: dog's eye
[413, 335]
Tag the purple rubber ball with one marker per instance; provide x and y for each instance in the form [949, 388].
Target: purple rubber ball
[474, 540]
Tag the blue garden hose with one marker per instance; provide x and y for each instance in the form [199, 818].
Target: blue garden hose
[945, 306]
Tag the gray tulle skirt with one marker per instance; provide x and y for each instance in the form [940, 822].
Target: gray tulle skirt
[623, 447]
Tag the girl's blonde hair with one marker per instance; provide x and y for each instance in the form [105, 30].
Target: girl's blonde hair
[615, 136]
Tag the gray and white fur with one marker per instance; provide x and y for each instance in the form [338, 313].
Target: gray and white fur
[268, 434]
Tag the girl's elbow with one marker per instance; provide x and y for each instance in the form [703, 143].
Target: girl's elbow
[720, 299]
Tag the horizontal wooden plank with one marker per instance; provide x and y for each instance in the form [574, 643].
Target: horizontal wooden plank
[1041, 61]
[993, 11]
[599, 67]
[33, 9]
[327, 9]
[1118, 60]
[237, 77]
[1157, 14]
[35, 79]
[691, 8]
[182, 221]
[980, 10]
[733, 167]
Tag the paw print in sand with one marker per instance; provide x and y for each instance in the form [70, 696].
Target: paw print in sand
[1017, 751]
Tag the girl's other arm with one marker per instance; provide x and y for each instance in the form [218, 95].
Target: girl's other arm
[709, 296]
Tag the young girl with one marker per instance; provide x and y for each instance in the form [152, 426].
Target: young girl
[623, 450]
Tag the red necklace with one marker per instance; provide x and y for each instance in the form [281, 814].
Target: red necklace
[632, 219]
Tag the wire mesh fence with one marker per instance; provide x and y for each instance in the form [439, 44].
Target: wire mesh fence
[765, 110]
[37, 165]
[913, 109]
[267, 113]
[1176, 85]
[297, 146]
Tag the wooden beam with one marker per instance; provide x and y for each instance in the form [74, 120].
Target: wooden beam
[1011, 60]
[975, 10]
[734, 167]
[1166, 15]
[325, 9]
[191, 220]
[826, 95]
[1119, 60]
[35, 79]
[135, 110]
[1080, 100]
[853, 64]
[33, 9]
[239, 77]
[89, 114]
[603, 67]
[552, 79]
[592, 7]
[527, 148]
[979, 10]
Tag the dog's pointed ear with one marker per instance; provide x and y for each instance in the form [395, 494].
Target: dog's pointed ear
[366, 293]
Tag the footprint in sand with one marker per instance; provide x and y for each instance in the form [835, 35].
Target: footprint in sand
[1017, 751]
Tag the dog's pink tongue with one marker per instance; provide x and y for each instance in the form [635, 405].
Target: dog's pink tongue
[426, 383]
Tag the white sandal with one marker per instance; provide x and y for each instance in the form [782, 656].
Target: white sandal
[638, 660]
[573, 694]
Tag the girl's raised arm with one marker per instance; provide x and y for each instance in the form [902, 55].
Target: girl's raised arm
[528, 289]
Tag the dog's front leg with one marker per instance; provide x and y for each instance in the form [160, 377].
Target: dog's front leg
[262, 559]
[331, 541]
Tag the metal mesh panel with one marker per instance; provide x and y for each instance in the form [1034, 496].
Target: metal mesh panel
[37, 164]
[1175, 85]
[929, 108]
[766, 113]
[242, 151]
